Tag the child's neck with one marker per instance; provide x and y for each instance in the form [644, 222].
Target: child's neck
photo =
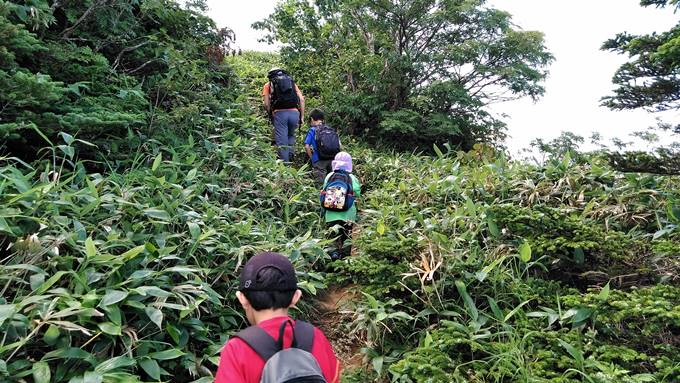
[265, 315]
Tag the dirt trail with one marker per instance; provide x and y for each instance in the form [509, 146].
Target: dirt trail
[335, 312]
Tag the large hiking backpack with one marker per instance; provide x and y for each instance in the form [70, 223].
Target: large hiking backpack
[338, 195]
[327, 142]
[282, 90]
[291, 365]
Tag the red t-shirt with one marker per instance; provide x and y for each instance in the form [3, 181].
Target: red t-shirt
[240, 364]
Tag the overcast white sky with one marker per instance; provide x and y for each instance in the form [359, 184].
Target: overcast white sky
[579, 77]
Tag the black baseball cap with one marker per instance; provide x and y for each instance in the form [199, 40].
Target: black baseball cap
[249, 281]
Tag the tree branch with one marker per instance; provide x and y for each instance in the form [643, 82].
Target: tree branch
[143, 66]
[126, 50]
[67, 32]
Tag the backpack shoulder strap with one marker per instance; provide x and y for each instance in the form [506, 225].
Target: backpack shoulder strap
[304, 336]
[350, 184]
[295, 92]
[261, 342]
[328, 179]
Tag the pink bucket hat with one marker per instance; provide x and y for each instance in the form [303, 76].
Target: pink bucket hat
[343, 161]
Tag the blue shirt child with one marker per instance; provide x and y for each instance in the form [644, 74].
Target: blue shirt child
[311, 141]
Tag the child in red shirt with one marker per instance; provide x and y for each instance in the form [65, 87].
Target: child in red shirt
[267, 289]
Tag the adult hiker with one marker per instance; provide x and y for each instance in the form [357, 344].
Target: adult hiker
[285, 106]
[321, 144]
[275, 348]
[338, 200]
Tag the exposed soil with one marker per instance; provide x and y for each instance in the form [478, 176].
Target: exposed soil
[335, 311]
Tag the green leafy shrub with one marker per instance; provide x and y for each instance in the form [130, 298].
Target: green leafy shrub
[563, 236]
[376, 275]
[429, 365]
[100, 71]
[643, 317]
[129, 276]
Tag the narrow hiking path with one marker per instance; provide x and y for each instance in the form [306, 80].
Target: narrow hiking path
[336, 306]
[333, 309]
[335, 312]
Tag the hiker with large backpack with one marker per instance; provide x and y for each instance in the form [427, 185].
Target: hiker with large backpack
[338, 200]
[321, 144]
[285, 106]
[275, 348]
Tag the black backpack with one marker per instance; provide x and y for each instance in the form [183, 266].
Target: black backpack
[294, 364]
[282, 90]
[327, 142]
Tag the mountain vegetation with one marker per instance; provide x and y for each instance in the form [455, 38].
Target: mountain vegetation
[650, 80]
[137, 176]
[420, 72]
[104, 70]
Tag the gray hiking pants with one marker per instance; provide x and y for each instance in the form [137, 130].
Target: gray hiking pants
[321, 170]
[285, 124]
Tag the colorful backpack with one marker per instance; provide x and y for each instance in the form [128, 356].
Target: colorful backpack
[338, 195]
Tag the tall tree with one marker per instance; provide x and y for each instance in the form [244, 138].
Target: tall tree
[419, 68]
[651, 79]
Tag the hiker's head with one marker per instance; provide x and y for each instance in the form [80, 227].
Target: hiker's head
[316, 116]
[275, 71]
[342, 161]
[267, 282]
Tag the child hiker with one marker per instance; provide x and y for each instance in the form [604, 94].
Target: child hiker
[340, 190]
[321, 144]
[275, 347]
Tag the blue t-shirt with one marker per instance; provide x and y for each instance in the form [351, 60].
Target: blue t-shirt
[311, 141]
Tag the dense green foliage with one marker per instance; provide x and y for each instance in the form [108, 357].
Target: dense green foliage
[410, 72]
[131, 274]
[102, 70]
[484, 261]
[661, 154]
[123, 269]
[468, 267]
[651, 80]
